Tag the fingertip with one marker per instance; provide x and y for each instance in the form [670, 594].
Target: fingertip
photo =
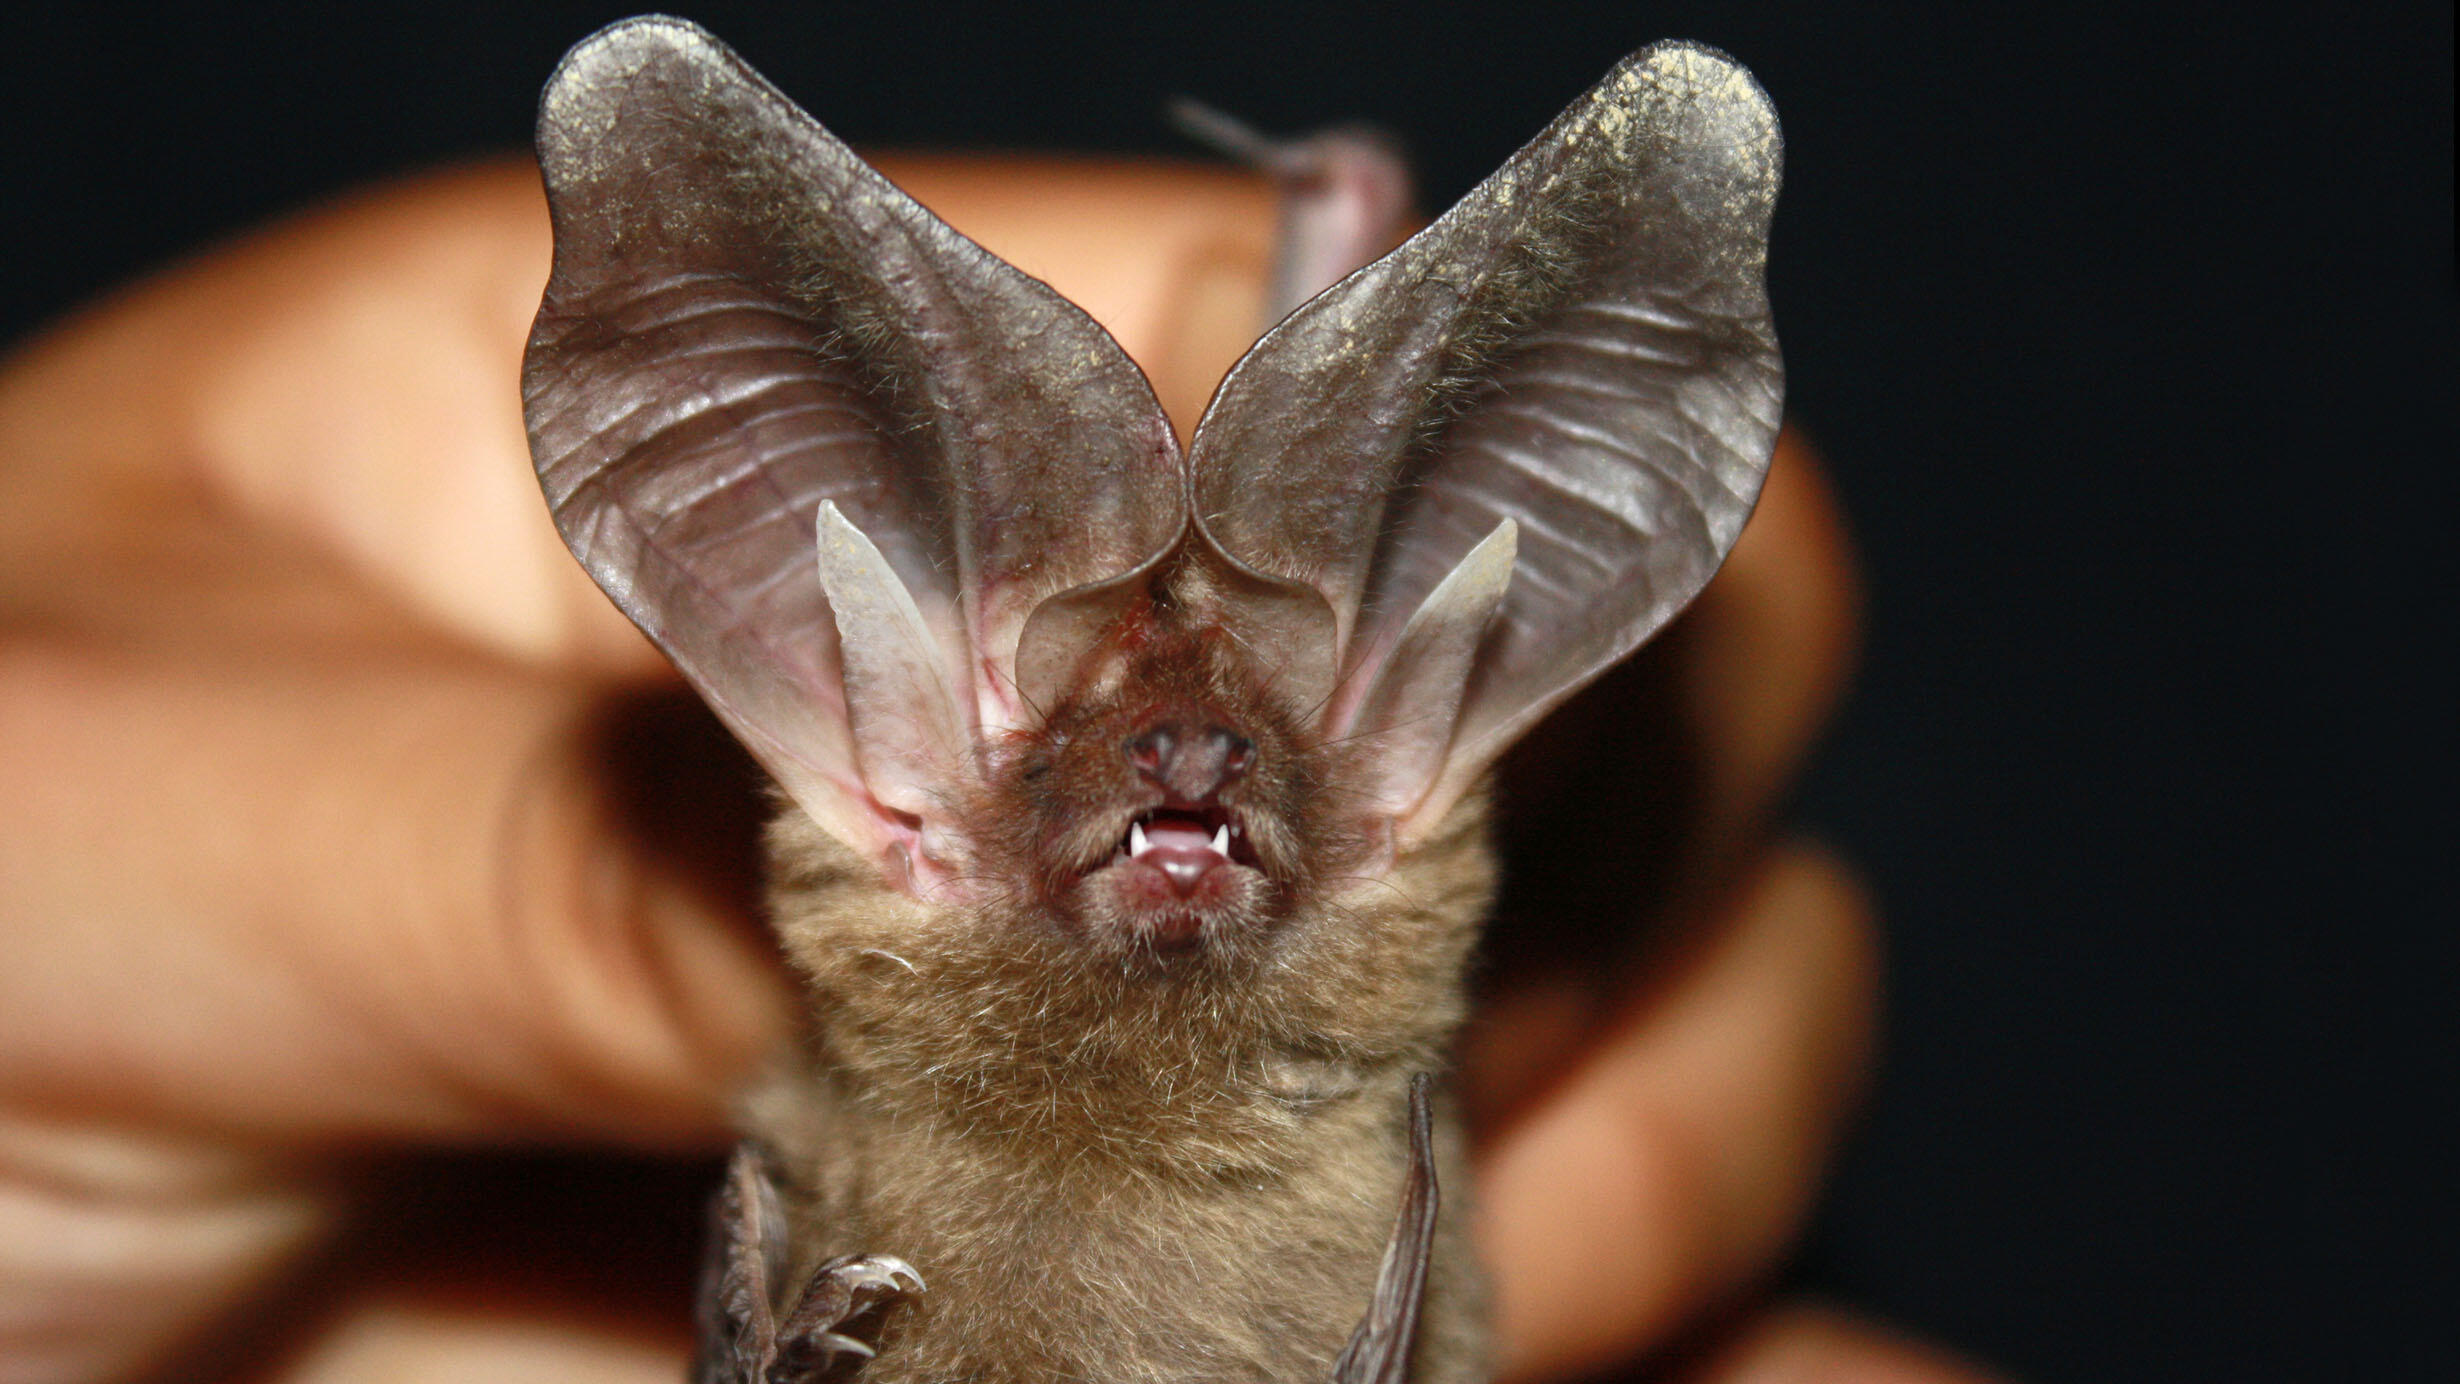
[1774, 638]
[1803, 1344]
[393, 1340]
[1590, 1234]
[623, 945]
[346, 896]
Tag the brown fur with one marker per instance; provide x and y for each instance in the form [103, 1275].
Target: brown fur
[1114, 1163]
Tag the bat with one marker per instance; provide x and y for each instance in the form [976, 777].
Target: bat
[1131, 844]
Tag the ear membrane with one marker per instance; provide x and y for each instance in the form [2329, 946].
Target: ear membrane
[1582, 346]
[748, 327]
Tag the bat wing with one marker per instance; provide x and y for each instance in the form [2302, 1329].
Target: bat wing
[1576, 364]
[1379, 1350]
[753, 1330]
[753, 348]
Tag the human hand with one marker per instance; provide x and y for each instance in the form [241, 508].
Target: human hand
[339, 813]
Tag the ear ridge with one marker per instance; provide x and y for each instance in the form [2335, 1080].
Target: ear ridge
[910, 739]
[1408, 716]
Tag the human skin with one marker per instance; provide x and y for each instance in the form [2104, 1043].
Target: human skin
[313, 846]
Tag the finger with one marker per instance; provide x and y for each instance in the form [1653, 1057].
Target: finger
[1674, 1159]
[1770, 643]
[372, 885]
[1173, 262]
[112, 1246]
[1814, 1345]
[347, 379]
[1696, 736]
[358, 892]
[527, 1267]
[1676, 758]
[471, 1344]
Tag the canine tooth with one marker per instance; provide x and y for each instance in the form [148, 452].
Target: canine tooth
[1221, 840]
[1136, 839]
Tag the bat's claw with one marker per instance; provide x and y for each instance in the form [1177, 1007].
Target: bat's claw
[858, 1286]
[752, 1330]
[862, 1273]
[850, 1285]
[838, 1347]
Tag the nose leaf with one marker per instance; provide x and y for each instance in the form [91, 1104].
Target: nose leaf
[1191, 764]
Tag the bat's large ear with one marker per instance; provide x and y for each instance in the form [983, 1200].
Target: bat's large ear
[826, 451]
[1579, 351]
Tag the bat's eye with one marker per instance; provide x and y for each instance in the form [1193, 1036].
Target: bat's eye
[1193, 766]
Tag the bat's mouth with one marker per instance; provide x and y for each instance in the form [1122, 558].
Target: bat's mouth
[1185, 845]
[1177, 872]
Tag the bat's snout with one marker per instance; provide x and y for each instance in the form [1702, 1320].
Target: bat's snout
[1192, 763]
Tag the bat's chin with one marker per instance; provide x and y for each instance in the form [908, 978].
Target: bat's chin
[1179, 877]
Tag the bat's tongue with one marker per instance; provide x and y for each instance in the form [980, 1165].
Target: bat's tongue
[1181, 849]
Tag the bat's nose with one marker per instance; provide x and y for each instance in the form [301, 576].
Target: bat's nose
[1192, 762]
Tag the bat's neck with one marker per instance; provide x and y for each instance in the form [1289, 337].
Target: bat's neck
[1171, 1082]
[1013, 1039]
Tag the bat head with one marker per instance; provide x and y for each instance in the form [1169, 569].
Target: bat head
[1172, 791]
[916, 528]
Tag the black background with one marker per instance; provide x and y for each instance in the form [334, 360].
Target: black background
[2129, 334]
